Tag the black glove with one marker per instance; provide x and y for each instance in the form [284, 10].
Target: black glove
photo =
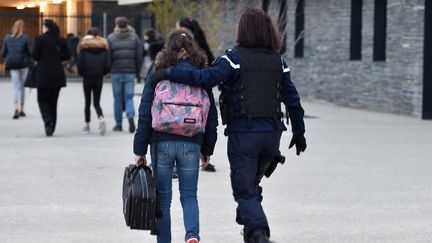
[300, 142]
[159, 75]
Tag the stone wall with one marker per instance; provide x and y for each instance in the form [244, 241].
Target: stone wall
[326, 72]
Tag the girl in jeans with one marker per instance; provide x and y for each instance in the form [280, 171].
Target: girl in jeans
[183, 152]
[16, 51]
[193, 26]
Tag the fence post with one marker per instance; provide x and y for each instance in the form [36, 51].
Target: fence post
[105, 24]
[138, 25]
[41, 22]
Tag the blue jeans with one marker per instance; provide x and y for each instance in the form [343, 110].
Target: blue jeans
[18, 79]
[123, 85]
[186, 156]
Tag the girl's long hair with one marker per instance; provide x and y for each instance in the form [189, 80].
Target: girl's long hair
[180, 44]
[18, 28]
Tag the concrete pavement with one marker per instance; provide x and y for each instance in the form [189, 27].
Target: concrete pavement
[365, 177]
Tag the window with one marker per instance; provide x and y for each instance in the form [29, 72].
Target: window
[427, 71]
[299, 29]
[380, 28]
[356, 30]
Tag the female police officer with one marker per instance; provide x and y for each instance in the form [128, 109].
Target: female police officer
[254, 80]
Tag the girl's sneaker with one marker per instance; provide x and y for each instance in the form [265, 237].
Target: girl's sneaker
[102, 127]
[192, 240]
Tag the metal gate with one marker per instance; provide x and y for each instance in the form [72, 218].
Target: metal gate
[33, 27]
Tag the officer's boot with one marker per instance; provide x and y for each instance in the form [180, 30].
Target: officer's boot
[258, 236]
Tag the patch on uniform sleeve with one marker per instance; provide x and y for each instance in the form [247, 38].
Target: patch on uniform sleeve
[232, 64]
[285, 67]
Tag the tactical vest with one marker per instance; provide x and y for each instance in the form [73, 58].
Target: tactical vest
[257, 93]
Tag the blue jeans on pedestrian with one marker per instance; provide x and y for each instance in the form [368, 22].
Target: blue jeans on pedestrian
[185, 156]
[18, 77]
[123, 85]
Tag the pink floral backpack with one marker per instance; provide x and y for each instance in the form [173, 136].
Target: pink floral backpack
[179, 109]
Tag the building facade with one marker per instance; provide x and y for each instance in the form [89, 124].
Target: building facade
[72, 16]
[385, 72]
[368, 54]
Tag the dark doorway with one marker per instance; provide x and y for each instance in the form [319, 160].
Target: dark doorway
[427, 65]
[356, 29]
[380, 30]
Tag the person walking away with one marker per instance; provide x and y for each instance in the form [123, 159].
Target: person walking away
[193, 26]
[17, 52]
[148, 37]
[72, 42]
[93, 64]
[168, 148]
[126, 58]
[255, 80]
[152, 46]
[50, 50]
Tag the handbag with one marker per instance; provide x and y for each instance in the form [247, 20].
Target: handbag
[140, 200]
[31, 78]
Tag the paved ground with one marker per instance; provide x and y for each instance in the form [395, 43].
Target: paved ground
[365, 177]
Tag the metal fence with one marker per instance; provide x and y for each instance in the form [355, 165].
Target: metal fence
[33, 22]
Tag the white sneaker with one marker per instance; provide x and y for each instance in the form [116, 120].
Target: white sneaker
[102, 127]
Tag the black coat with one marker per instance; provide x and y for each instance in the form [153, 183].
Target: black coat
[93, 58]
[49, 52]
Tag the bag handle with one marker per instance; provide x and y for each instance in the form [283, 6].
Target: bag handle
[132, 172]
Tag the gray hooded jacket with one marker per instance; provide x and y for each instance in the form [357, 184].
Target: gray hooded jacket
[126, 51]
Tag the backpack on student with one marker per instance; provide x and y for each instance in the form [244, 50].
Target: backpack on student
[140, 200]
[179, 109]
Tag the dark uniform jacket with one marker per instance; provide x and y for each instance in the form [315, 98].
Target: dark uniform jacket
[226, 70]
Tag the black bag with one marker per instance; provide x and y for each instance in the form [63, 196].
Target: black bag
[140, 201]
[31, 77]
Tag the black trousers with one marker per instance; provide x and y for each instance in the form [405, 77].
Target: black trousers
[92, 85]
[247, 154]
[47, 100]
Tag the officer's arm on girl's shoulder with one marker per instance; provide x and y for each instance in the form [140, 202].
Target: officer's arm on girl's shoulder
[209, 77]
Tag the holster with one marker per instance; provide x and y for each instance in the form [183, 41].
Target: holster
[224, 99]
[270, 167]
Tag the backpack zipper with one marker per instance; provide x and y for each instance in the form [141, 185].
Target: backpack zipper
[182, 104]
